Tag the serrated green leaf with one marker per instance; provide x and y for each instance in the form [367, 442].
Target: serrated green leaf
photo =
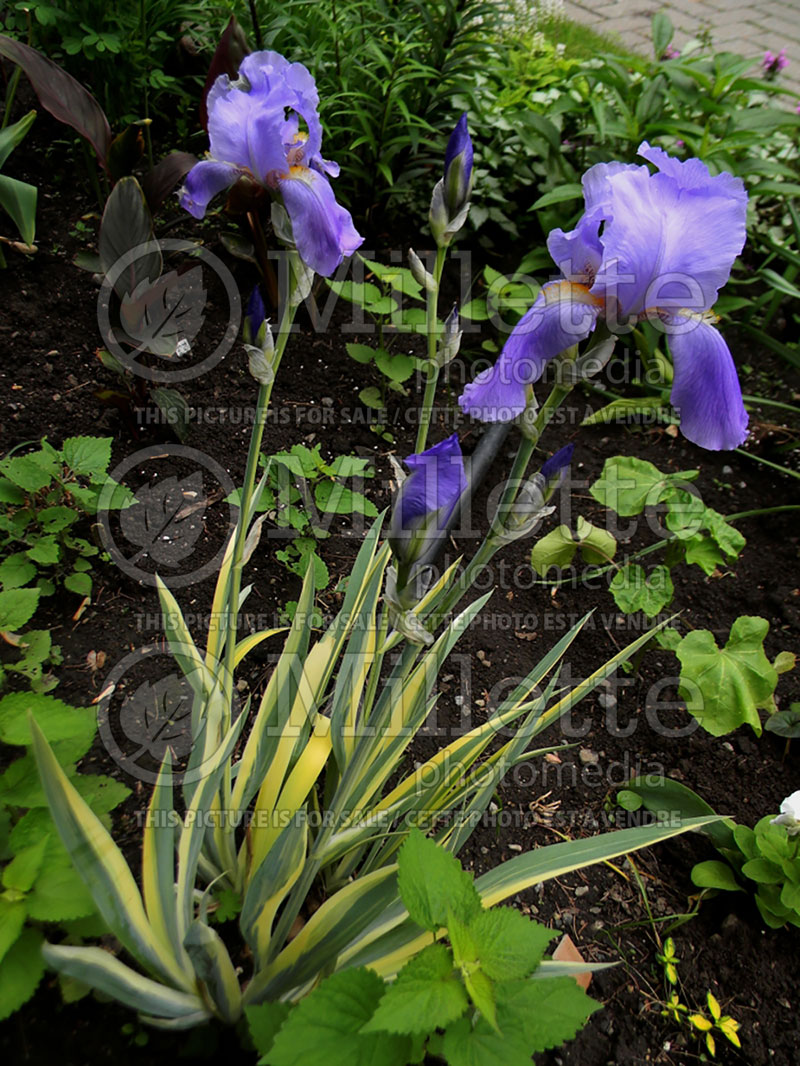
[57, 720]
[20, 971]
[509, 944]
[481, 991]
[397, 368]
[432, 882]
[426, 995]
[46, 551]
[88, 456]
[24, 868]
[362, 353]
[371, 397]
[12, 919]
[17, 606]
[80, 584]
[26, 473]
[532, 1016]
[16, 570]
[325, 1026]
[264, 1021]
[10, 493]
[59, 893]
[724, 687]
[334, 498]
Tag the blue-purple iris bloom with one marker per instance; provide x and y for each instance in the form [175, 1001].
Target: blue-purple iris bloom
[458, 167]
[428, 495]
[555, 466]
[649, 246]
[254, 129]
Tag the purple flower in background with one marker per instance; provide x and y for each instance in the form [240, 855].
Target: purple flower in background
[428, 496]
[671, 53]
[649, 246]
[254, 128]
[773, 65]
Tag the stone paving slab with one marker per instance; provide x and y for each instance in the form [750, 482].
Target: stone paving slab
[743, 26]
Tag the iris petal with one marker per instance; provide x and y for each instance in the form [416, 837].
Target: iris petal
[706, 390]
[203, 182]
[323, 229]
[694, 174]
[435, 483]
[562, 315]
[578, 253]
[667, 246]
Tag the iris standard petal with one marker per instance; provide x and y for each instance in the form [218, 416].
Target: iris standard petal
[694, 174]
[562, 315]
[323, 229]
[578, 254]
[435, 484]
[596, 187]
[665, 246]
[706, 391]
[229, 111]
[203, 182]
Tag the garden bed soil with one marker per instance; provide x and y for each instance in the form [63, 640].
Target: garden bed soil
[48, 378]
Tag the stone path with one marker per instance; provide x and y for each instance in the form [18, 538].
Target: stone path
[744, 26]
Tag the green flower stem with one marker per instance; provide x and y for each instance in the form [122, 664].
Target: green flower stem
[235, 585]
[432, 303]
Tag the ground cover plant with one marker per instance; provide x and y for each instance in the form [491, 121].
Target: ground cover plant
[373, 682]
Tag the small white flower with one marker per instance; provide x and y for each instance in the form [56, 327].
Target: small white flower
[790, 814]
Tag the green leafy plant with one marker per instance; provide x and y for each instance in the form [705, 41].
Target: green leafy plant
[302, 493]
[39, 887]
[47, 494]
[141, 53]
[723, 687]
[476, 993]
[17, 198]
[389, 72]
[764, 860]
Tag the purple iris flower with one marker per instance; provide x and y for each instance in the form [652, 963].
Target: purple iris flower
[254, 316]
[254, 128]
[428, 496]
[649, 246]
[555, 466]
[458, 167]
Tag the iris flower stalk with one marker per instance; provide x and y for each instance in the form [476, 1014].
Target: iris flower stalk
[654, 247]
[448, 212]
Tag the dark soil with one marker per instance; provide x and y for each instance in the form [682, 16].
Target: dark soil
[48, 378]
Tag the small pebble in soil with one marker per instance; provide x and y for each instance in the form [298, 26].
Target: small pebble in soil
[515, 847]
[588, 757]
[581, 890]
[607, 701]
